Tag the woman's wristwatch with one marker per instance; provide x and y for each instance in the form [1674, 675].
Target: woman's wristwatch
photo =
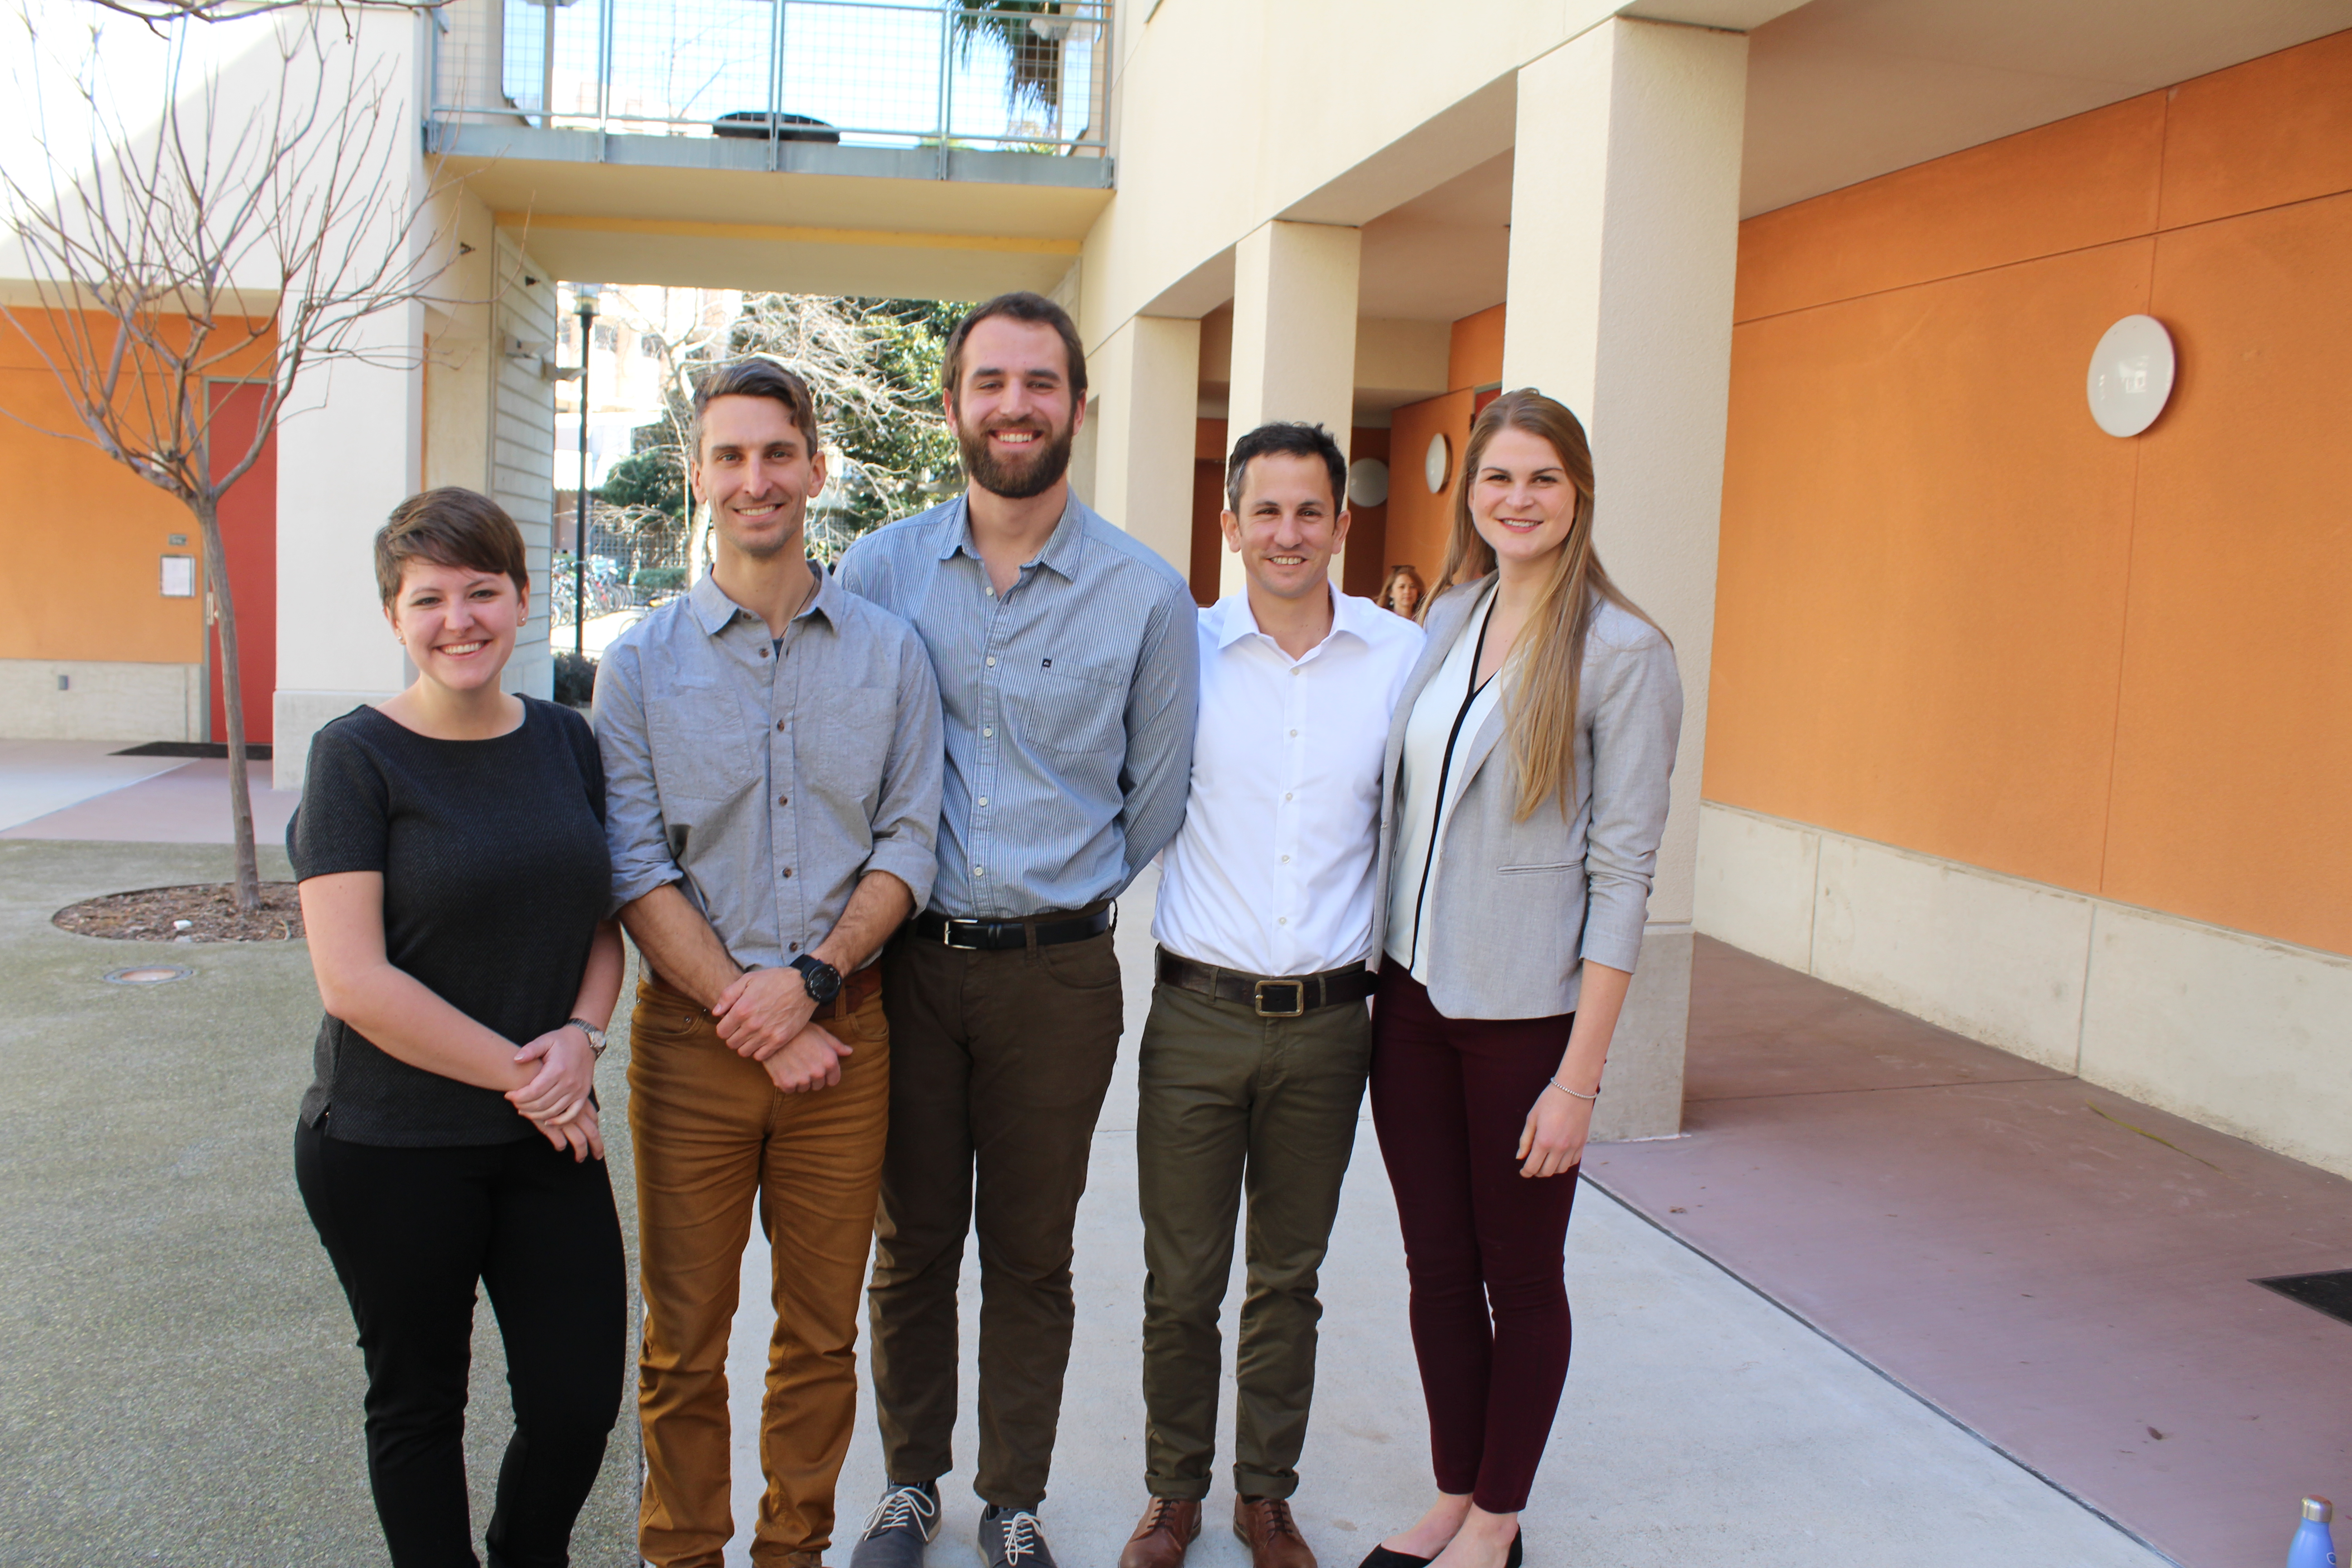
[596, 1035]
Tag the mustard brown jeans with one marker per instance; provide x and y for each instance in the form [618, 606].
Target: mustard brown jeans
[712, 1133]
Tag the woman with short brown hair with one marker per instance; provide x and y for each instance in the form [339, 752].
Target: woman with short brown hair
[455, 879]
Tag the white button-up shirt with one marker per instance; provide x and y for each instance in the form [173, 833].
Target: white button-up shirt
[1272, 872]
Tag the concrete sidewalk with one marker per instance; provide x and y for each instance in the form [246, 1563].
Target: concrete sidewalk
[79, 791]
[181, 1386]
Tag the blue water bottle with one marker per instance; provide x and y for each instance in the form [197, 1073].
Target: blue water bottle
[2314, 1547]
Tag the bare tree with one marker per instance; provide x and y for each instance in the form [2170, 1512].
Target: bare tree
[248, 243]
[159, 13]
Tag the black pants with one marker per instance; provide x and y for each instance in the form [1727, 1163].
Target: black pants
[410, 1231]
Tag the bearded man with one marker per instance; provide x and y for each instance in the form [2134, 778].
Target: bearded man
[1068, 676]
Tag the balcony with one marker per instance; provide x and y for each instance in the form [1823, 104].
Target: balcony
[998, 91]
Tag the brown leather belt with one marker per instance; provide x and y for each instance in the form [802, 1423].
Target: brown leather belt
[1289, 998]
[856, 991]
[1049, 930]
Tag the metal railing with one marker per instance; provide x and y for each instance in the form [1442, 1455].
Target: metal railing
[1022, 76]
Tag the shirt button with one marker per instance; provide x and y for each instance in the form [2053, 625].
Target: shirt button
[980, 872]
[792, 947]
[788, 873]
[1283, 921]
[988, 730]
[1293, 670]
[991, 663]
[763, 653]
[983, 800]
[992, 591]
[787, 800]
[1285, 859]
[1294, 734]
[779, 724]
[1286, 794]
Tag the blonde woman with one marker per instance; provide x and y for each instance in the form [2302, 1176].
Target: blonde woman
[1525, 793]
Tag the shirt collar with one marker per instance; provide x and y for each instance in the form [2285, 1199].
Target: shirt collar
[713, 610]
[1233, 619]
[1063, 547]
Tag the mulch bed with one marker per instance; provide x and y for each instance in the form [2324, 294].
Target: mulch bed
[208, 910]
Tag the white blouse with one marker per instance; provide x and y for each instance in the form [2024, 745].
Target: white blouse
[1445, 716]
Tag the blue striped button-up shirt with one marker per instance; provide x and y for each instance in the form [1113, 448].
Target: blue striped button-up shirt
[1069, 704]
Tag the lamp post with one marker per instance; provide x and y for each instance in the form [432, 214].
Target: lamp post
[585, 294]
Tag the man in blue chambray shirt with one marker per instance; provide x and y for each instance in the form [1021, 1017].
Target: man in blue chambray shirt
[1068, 676]
[771, 763]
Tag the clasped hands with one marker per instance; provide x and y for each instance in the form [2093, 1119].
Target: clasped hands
[764, 1013]
[557, 1099]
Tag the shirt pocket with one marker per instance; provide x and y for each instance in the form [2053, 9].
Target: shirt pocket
[1076, 711]
[855, 728]
[702, 749]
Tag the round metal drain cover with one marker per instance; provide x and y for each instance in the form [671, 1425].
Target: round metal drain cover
[148, 974]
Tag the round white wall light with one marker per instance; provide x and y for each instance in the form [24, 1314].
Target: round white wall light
[2131, 375]
[1435, 464]
[1368, 482]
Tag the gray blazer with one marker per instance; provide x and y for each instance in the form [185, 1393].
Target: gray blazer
[1516, 907]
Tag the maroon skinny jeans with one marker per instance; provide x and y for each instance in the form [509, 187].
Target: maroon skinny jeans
[1482, 1244]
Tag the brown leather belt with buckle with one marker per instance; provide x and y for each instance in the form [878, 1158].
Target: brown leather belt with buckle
[999, 936]
[1269, 998]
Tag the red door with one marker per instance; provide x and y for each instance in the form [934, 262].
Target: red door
[248, 520]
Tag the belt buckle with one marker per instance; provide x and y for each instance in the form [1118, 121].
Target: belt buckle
[1298, 993]
[947, 935]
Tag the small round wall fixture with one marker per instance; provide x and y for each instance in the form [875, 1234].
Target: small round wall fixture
[1436, 463]
[1368, 482]
[148, 974]
[2131, 375]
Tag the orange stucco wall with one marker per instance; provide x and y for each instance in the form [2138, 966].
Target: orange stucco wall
[83, 536]
[1954, 616]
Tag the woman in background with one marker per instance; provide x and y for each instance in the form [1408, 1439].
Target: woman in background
[1403, 593]
[455, 879]
[1526, 778]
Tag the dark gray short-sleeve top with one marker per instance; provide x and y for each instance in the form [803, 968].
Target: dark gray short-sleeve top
[495, 876]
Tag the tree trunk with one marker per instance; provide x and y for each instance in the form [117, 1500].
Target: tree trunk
[240, 785]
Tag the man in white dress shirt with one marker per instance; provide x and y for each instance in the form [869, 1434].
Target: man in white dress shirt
[1253, 1062]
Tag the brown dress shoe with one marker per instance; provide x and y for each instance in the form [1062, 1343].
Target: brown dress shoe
[1167, 1528]
[1265, 1527]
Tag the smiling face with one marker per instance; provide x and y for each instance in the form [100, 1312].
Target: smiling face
[755, 469]
[458, 622]
[1521, 499]
[1013, 410]
[1289, 525]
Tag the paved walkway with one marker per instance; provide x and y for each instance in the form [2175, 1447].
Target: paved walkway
[2065, 1271]
[181, 1386]
[78, 791]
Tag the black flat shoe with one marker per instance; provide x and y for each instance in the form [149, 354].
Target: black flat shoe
[1512, 1560]
[1382, 1557]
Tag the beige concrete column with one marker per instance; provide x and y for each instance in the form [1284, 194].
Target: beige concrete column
[1294, 336]
[1624, 240]
[349, 449]
[1146, 387]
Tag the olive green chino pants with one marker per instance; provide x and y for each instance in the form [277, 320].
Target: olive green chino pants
[1233, 1103]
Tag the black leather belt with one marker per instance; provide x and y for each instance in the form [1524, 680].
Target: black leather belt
[1268, 997]
[999, 936]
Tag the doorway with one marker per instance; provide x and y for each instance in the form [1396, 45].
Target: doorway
[248, 522]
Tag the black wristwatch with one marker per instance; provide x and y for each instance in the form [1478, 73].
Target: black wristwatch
[822, 980]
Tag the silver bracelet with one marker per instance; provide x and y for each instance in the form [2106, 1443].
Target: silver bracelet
[1588, 1099]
